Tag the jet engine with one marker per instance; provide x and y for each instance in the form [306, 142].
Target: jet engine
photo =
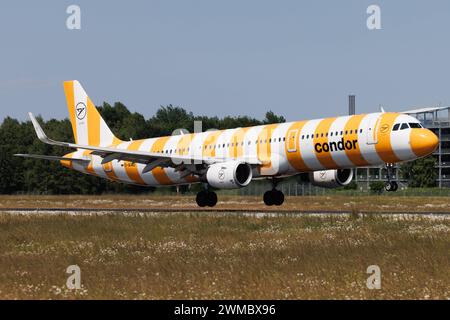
[331, 178]
[229, 175]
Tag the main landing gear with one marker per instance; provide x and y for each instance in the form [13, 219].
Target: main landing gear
[274, 196]
[206, 198]
[390, 185]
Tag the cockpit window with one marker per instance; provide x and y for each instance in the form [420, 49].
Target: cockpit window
[413, 125]
[396, 126]
[404, 126]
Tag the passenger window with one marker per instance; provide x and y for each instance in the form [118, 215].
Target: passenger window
[396, 126]
[404, 126]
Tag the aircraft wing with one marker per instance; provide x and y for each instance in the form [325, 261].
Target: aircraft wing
[53, 158]
[151, 159]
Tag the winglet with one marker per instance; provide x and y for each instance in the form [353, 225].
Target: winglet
[37, 127]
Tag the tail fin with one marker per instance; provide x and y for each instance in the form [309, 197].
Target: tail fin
[88, 126]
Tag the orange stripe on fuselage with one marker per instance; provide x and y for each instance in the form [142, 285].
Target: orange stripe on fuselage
[183, 148]
[183, 144]
[237, 139]
[295, 158]
[384, 147]
[264, 145]
[67, 163]
[354, 154]
[116, 141]
[322, 129]
[90, 167]
[131, 168]
[210, 144]
[68, 89]
[109, 171]
[158, 173]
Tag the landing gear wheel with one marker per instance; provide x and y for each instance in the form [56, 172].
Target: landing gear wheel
[388, 186]
[391, 186]
[273, 197]
[201, 199]
[206, 198]
[212, 199]
[268, 198]
[278, 197]
[394, 185]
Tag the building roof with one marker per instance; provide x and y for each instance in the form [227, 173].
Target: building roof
[425, 110]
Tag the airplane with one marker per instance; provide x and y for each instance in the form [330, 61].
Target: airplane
[322, 151]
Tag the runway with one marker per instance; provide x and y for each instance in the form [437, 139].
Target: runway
[269, 212]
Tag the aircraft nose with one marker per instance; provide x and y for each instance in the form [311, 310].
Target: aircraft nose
[423, 142]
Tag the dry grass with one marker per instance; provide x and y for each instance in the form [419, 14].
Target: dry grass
[332, 202]
[198, 256]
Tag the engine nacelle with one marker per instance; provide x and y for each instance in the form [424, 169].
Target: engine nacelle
[229, 175]
[331, 178]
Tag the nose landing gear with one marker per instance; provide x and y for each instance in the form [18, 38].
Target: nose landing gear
[390, 186]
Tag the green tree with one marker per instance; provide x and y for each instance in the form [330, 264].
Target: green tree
[273, 118]
[420, 173]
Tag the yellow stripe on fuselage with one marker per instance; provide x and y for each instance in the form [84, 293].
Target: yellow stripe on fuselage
[183, 148]
[264, 146]
[131, 168]
[237, 143]
[158, 173]
[321, 137]
[383, 146]
[354, 154]
[295, 158]
[209, 145]
[90, 167]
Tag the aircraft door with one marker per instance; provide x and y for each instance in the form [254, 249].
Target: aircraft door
[292, 140]
[372, 131]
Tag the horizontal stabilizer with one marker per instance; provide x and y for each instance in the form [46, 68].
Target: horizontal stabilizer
[53, 158]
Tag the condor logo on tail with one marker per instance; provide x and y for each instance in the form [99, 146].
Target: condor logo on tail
[335, 146]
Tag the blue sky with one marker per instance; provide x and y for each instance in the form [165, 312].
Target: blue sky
[300, 59]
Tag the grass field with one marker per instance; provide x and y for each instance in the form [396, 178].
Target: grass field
[199, 256]
[333, 202]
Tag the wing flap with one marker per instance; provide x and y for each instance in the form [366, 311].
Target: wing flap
[53, 158]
